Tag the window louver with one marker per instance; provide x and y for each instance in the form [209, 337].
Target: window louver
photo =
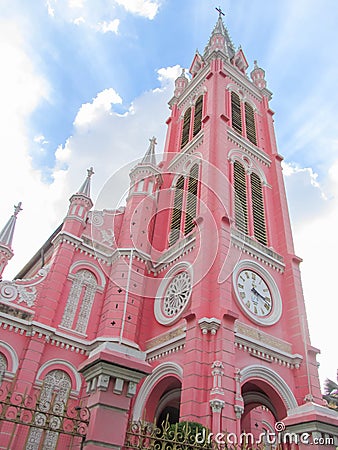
[186, 127]
[258, 209]
[175, 225]
[250, 124]
[191, 206]
[236, 117]
[198, 115]
[241, 206]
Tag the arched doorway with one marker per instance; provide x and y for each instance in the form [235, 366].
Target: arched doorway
[168, 408]
[267, 398]
[164, 401]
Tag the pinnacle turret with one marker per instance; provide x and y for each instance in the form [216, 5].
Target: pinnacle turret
[6, 239]
[220, 39]
[85, 187]
[149, 157]
[80, 204]
[258, 76]
[7, 233]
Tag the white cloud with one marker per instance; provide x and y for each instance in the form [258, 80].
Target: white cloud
[144, 8]
[112, 25]
[101, 104]
[99, 16]
[315, 219]
[101, 137]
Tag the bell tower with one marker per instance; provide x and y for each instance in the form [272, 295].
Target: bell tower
[229, 321]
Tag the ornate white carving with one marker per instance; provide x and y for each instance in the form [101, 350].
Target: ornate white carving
[108, 236]
[96, 218]
[217, 373]
[177, 294]
[209, 324]
[216, 405]
[83, 280]
[53, 397]
[103, 382]
[22, 291]
[3, 366]
[239, 410]
[172, 298]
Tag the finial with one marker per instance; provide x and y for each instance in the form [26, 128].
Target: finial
[6, 234]
[220, 12]
[255, 64]
[17, 209]
[153, 141]
[85, 187]
[90, 172]
[149, 157]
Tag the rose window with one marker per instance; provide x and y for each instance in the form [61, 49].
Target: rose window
[177, 295]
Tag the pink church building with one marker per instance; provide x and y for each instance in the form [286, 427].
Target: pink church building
[186, 303]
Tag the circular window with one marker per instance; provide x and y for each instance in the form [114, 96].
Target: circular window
[177, 294]
[173, 297]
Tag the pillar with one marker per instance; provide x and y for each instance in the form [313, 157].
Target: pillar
[112, 377]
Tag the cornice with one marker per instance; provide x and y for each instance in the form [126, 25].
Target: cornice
[265, 346]
[183, 155]
[174, 253]
[166, 344]
[193, 86]
[249, 148]
[258, 251]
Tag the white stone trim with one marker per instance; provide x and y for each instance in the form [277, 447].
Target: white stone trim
[163, 370]
[90, 266]
[260, 372]
[61, 362]
[237, 154]
[258, 251]
[276, 313]
[250, 148]
[13, 355]
[164, 349]
[160, 317]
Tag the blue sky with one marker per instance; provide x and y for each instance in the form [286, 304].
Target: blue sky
[87, 83]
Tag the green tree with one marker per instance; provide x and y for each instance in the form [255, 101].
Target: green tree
[331, 394]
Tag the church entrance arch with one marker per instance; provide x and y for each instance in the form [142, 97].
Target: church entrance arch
[160, 395]
[267, 398]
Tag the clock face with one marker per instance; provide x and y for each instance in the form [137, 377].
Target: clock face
[254, 293]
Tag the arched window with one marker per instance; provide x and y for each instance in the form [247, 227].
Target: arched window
[250, 123]
[236, 117]
[258, 209]
[186, 127]
[191, 205]
[3, 366]
[198, 115]
[241, 204]
[80, 300]
[176, 217]
[53, 399]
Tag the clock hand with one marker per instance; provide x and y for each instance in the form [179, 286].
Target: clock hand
[259, 295]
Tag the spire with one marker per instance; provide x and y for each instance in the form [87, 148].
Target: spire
[6, 235]
[258, 76]
[85, 187]
[180, 84]
[149, 157]
[220, 39]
